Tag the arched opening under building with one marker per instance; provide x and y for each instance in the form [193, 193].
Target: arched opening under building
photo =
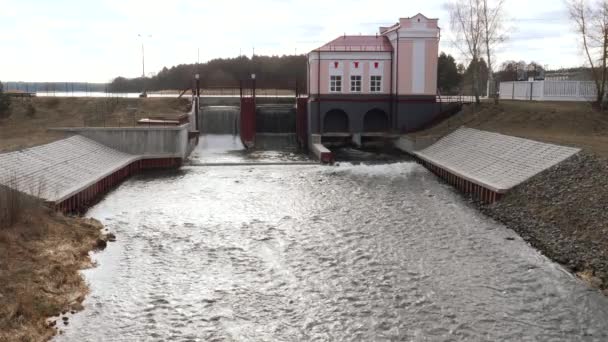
[335, 121]
[376, 120]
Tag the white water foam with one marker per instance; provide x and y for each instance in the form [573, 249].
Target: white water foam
[402, 169]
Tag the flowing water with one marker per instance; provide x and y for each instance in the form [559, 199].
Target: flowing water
[315, 253]
[219, 119]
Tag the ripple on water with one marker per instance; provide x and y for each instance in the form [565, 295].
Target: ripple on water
[349, 253]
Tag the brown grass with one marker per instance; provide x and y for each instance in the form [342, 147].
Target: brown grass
[30, 118]
[40, 257]
[14, 203]
[566, 123]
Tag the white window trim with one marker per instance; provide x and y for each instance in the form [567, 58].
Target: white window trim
[341, 84]
[360, 84]
[376, 72]
[379, 85]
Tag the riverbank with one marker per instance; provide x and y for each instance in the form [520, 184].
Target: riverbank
[30, 118]
[563, 213]
[40, 259]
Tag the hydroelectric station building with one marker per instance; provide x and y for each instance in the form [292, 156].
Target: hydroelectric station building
[372, 85]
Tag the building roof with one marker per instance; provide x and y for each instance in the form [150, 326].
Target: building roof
[346, 43]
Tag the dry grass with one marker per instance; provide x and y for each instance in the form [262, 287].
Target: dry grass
[567, 123]
[14, 202]
[30, 118]
[13, 205]
[40, 257]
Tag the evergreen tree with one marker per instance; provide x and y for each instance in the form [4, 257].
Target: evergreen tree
[448, 78]
[271, 72]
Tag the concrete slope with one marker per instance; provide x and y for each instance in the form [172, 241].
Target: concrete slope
[57, 170]
[495, 161]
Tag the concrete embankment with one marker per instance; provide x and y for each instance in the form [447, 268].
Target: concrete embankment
[487, 164]
[73, 173]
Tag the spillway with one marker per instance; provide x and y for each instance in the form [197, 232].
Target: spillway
[219, 120]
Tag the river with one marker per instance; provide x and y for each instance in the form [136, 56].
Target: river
[380, 252]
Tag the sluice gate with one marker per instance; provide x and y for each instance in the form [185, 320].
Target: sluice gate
[260, 122]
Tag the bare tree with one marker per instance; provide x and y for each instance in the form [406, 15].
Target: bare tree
[591, 23]
[466, 21]
[492, 16]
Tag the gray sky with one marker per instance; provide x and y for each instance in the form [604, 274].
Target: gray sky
[95, 41]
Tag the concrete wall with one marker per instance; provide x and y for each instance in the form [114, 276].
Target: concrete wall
[149, 142]
[408, 113]
[236, 100]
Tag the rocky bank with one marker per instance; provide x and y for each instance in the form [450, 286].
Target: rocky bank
[563, 212]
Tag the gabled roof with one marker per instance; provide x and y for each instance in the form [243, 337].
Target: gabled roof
[387, 29]
[422, 15]
[374, 43]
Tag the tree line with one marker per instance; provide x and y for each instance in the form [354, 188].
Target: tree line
[280, 72]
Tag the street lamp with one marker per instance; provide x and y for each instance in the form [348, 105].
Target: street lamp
[143, 60]
[143, 64]
[198, 85]
[197, 100]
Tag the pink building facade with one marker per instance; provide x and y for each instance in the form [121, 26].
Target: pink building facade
[385, 83]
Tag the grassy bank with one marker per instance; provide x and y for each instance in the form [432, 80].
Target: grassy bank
[28, 120]
[41, 252]
[566, 123]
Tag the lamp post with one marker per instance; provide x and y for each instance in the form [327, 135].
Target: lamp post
[198, 94]
[143, 59]
[143, 64]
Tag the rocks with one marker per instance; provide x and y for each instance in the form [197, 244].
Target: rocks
[101, 244]
[110, 237]
[563, 212]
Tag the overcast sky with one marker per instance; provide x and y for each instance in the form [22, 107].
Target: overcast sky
[95, 41]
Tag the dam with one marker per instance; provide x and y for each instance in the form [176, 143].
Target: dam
[264, 243]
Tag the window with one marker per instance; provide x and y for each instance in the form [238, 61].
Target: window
[375, 84]
[335, 83]
[355, 83]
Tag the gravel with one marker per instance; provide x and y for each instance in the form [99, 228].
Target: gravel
[563, 212]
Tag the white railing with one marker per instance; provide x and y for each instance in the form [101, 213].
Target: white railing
[548, 90]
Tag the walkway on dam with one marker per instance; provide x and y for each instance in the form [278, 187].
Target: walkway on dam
[495, 161]
[60, 169]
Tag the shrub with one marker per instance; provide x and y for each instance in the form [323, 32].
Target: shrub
[5, 102]
[14, 203]
[30, 110]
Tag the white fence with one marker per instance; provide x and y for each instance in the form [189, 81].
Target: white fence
[548, 90]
